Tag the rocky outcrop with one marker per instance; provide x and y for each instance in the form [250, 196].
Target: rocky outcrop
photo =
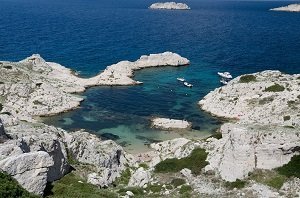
[169, 124]
[244, 148]
[29, 169]
[253, 103]
[140, 177]
[170, 6]
[265, 134]
[289, 8]
[107, 158]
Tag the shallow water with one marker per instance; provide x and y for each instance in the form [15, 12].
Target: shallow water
[240, 37]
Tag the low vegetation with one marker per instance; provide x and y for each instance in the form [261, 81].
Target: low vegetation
[72, 185]
[291, 169]
[269, 178]
[275, 88]
[144, 165]
[9, 187]
[247, 79]
[124, 178]
[195, 162]
[217, 135]
[236, 184]
[185, 189]
[177, 182]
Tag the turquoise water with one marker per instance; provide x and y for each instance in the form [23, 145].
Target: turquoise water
[236, 36]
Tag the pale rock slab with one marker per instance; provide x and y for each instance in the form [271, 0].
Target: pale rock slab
[168, 124]
[29, 169]
[140, 177]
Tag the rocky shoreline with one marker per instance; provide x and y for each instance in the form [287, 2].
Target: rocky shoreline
[34, 87]
[263, 134]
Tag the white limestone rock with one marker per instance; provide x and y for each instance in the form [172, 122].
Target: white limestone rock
[29, 169]
[108, 158]
[244, 148]
[170, 6]
[176, 148]
[250, 103]
[169, 124]
[289, 8]
[140, 177]
[122, 72]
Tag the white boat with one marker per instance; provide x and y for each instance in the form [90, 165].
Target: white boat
[225, 75]
[223, 81]
[187, 84]
[181, 79]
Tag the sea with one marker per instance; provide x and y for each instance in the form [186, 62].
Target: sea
[89, 35]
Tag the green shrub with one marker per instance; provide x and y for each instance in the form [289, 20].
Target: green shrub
[269, 178]
[69, 186]
[276, 182]
[236, 184]
[177, 182]
[124, 178]
[275, 88]
[10, 188]
[247, 78]
[217, 135]
[7, 67]
[155, 188]
[185, 189]
[292, 168]
[144, 165]
[285, 118]
[1, 107]
[195, 162]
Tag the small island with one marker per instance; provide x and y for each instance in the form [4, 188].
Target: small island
[170, 6]
[289, 8]
[168, 124]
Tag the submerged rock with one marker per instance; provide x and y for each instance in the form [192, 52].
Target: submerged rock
[170, 6]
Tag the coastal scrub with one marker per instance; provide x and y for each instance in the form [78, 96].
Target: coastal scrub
[195, 162]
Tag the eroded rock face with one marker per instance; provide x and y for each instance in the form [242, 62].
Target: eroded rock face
[3, 135]
[140, 177]
[29, 169]
[108, 158]
[170, 6]
[245, 148]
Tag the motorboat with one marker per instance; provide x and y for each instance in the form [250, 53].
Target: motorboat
[226, 75]
[223, 81]
[181, 79]
[187, 84]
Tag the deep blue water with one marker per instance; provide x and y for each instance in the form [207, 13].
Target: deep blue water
[88, 35]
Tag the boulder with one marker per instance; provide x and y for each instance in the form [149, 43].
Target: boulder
[140, 177]
[29, 169]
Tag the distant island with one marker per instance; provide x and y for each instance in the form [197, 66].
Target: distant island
[170, 6]
[289, 8]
